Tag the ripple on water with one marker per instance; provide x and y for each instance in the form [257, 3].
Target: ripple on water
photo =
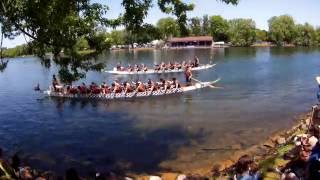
[262, 93]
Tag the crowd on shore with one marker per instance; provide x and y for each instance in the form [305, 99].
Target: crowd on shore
[11, 169]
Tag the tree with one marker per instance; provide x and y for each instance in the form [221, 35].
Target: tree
[195, 26]
[135, 12]
[205, 29]
[242, 32]
[261, 35]
[317, 39]
[282, 29]
[305, 35]
[118, 37]
[148, 33]
[55, 24]
[82, 44]
[168, 27]
[180, 9]
[219, 28]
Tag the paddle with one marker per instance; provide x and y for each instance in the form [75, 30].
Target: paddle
[211, 86]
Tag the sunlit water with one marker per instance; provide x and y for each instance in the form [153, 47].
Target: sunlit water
[264, 91]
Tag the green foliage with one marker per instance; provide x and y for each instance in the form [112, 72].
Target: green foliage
[317, 39]
[179, 9]
[261, 35]
[205, 29]
[98, 41]
[60, 25]
[118, 37]
[148, 33]
[282, 29]
[219, 28]
[82, 44]
[56, 25]
[242, 32]
[195, 26]
[17, 51]
[135, 12]
[305, 35]
[168, 27]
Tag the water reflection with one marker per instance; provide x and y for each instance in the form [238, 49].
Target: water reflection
[261, 96]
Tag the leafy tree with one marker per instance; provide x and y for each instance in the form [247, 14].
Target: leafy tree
[55, 24]
[3, 63]
[242, 32]
[317, 38]
[118, 37]
[180, 9]
[168, 27]
[135, 12]
[305, 35]
[205, 29]
[195, 26]
[98, 41]
[219, 28]
[148, 33]
[82, 44]
[261, 35]
[282, 29]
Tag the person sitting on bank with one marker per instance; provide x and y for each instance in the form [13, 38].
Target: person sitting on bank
[244, 169]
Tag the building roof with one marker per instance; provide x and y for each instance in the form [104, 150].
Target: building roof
[191, 38]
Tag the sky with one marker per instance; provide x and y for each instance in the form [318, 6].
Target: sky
[259, 10]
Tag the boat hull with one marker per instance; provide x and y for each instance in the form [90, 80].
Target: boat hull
[152, 71]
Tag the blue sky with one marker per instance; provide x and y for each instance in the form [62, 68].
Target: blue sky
[258, 10]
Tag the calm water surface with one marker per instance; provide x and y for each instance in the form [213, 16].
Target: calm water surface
[265, 90]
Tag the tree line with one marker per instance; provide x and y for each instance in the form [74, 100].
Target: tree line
[72, 26]
[238, 32]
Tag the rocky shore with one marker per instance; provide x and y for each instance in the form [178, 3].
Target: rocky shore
[268, 155]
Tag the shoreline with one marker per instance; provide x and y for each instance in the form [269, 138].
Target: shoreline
[261, 152]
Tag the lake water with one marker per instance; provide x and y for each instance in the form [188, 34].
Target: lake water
[265, 89]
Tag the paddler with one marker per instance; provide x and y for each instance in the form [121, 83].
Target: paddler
[188, 75]
[55, 82]
[151, 85]
[116, 87]
[196, 61]
[175, 83]
[127, 87]
[141, 87]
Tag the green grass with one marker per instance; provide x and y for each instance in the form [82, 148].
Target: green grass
[276, 160]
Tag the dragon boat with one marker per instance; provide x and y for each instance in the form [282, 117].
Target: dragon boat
[153, 71]
[122, 95]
